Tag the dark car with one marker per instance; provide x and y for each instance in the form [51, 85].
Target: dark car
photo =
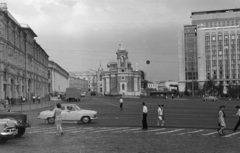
[22, 122]
[93, 93]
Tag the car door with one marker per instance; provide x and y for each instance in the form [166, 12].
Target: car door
[71, 113]
[64, 112]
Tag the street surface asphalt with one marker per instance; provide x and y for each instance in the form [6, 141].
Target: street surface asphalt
[190, 127]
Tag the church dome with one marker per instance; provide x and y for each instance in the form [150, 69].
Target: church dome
[100, 68]
[121, 48]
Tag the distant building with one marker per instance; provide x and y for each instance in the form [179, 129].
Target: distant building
[90, 76]
[121, 78]
[58, 78]
[78, 83]
[152, 85]
[210, 49]
[23, 62]
[166, 85]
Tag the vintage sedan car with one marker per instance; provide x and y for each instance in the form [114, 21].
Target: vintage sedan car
[83, 94]
[70, 112]
[212, 98]
[7, 129]
[22, 122]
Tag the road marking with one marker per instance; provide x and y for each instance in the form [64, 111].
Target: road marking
[42, 130]
[169, 131]
[210, 133]
[229, 135]
[127, 130]
[106, 102]
[191, 132]
[110, 129]
[64, 130]
[150, 130]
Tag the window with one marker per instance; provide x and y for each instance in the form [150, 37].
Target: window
[122, 70]
[122, 78]
[123, 86]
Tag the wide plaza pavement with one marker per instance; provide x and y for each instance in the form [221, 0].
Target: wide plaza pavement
[120, 131]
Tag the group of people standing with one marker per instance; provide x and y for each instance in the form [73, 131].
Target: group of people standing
[222, 124]
[38, 98]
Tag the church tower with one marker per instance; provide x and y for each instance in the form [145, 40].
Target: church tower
[122, 59]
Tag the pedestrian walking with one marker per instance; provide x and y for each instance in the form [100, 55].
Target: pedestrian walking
[144, 120]
[23, 99]
[39, 98]
[222, 124]
[160, 115]
[34, 99]
[7, 105]
[172, 96]
[238, 123]
[163, 116]
[121, 103]
[58, 118]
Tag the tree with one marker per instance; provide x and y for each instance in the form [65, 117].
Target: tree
[210, 87]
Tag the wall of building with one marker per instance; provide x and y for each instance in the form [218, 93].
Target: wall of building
[23, 63]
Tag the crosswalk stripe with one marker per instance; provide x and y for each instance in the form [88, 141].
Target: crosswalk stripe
[229, 135]
[127, 130]
[170, 131]
[63, 130]
[83, 130]
[190, 132]
[110, 129]
[41, 129]
[150, 130]
[210, 133]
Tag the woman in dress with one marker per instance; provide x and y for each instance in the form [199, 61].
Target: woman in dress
[58, 118]
[221, 116]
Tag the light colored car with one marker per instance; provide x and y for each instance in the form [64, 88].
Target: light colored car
[212, 98]
[7, 129]
[70, 112]
[83, 94]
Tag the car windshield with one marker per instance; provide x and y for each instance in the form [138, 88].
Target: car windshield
[77, 108]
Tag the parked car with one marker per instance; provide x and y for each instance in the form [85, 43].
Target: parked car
[212, 98]
[73, 94]
[83, 94]
[70, 112]
[7, 129]
[93, 93]
[21, 119]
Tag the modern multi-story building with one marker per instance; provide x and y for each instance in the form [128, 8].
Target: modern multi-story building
[210, 49]
[23, 62]
[58, 78]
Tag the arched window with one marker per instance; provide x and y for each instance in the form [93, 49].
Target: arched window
[122, 61]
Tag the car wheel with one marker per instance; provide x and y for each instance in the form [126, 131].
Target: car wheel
[86, 119]
[3, 140]
[21, 131]
[51, 120]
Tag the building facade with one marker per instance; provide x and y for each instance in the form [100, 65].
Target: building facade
[58, 78]
[210, 49]
[90, 76]
[23, 63]
[78, 83]
[121, 78]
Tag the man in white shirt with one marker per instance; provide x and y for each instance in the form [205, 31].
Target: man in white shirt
[121, 103]
[144, 120]
[238, 123]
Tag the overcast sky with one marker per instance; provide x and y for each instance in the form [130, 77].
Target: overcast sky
[77, 34]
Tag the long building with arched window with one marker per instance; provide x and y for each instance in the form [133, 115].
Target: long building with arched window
[23, 62]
